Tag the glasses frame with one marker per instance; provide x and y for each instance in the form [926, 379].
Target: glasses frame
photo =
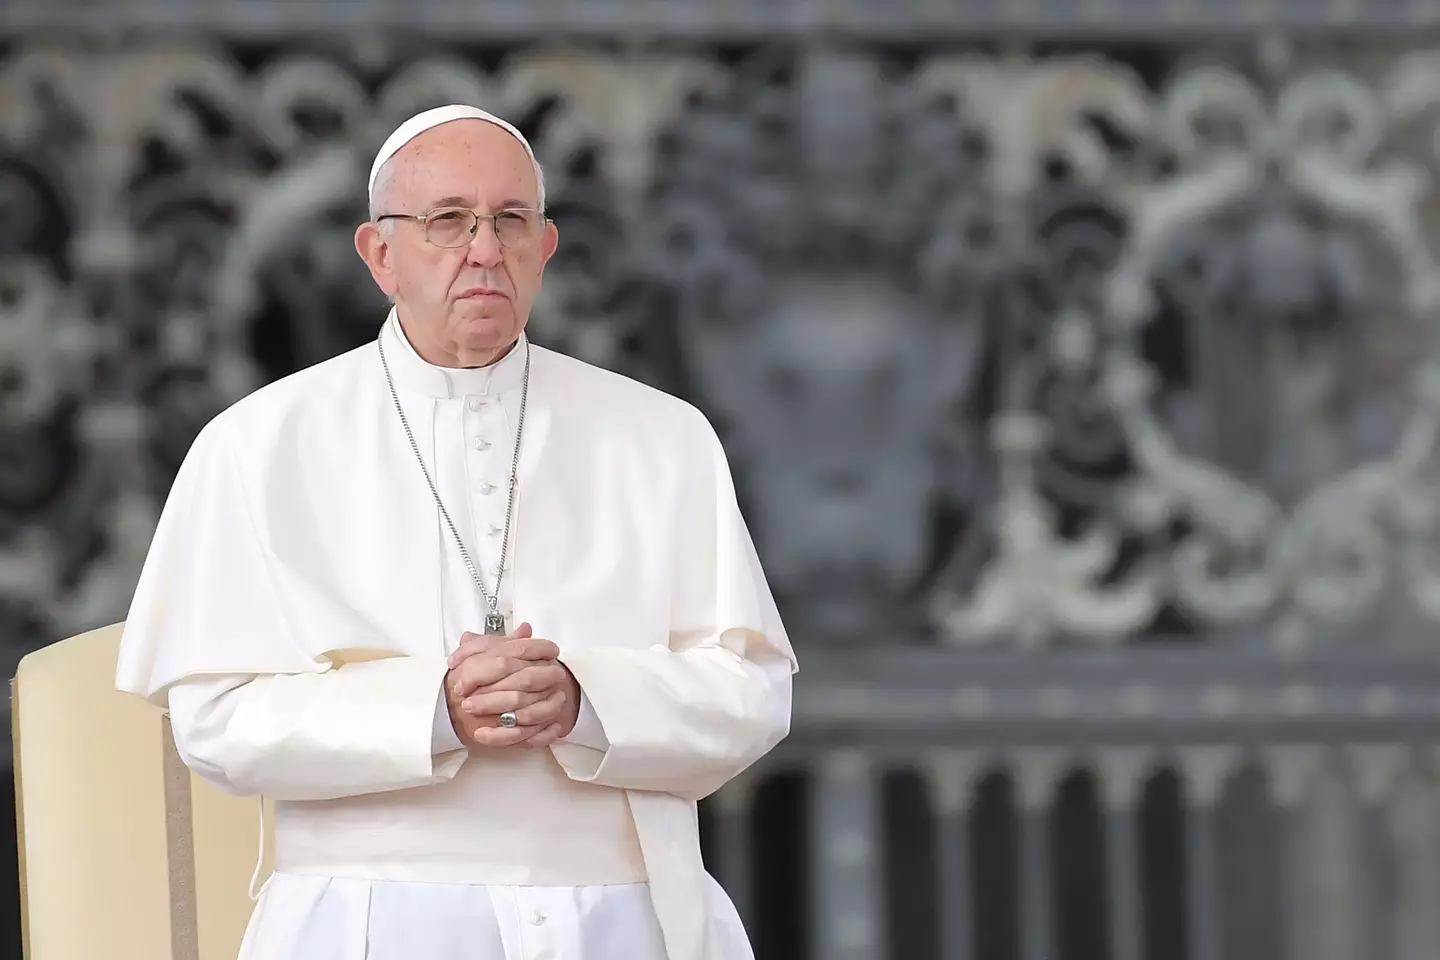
[424, 220]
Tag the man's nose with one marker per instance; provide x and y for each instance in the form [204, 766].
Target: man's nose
[485, 249]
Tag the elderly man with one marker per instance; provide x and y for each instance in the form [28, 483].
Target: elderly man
[483, 620]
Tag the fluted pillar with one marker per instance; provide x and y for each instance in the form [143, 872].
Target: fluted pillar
[1417, 845]
[1036, 772]
[952, 778]
[1206, 771]
[1290, 774]
[1122, 774]
[846, 918]
[734, 840]
[1377, 768]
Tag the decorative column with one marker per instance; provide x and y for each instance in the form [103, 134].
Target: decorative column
[1036, 773]
[735, 842]
[1377, 767]
[846, 919]
[1206, 771]
[1290, 774]
[1122, 774]
[952, 778]
[1417, 844]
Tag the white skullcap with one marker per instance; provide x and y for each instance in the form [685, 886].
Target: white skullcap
[435, 116]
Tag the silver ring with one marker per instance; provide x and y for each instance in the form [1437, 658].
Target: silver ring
[507, 719]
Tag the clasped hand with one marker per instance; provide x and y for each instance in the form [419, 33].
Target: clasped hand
[490, 675]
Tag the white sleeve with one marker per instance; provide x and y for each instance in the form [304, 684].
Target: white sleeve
[698, 705]
[680, 722]
[364, 728]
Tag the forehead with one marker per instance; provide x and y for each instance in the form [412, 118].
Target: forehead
[469, 159]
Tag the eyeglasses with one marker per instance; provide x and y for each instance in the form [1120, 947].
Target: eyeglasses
[516, 227]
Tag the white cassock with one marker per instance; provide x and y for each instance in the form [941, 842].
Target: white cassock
[302, 594]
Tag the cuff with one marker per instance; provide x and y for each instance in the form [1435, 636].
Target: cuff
[443, 737]
[588, 732]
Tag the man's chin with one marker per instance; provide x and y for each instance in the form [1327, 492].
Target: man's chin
[482, 314]
[484, 330]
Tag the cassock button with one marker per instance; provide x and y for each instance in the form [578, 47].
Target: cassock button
[487, 488]
[477, 402]
[481, 443]
[496, 529]
[538, 919]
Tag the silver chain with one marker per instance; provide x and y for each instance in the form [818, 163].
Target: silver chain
[491, 600]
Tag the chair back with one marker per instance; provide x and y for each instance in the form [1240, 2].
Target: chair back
[124, 853]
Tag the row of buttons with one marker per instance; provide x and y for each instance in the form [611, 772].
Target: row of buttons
[480, 443]
[486, 488]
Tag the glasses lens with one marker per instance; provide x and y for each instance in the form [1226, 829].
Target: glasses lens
[517, 228]
[450, 228]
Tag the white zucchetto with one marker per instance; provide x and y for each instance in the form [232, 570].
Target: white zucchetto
[435, 116]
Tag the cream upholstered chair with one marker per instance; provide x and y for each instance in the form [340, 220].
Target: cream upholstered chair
[124, 854]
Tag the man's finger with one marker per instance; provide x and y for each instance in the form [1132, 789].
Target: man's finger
[479, 646]
[482, 672]
[537, 649]
[496, 703]
[532, 678]
[519, 649]
[520, 644]
[495, 674]
[544, 738]
[504, 736]
[544, 712]
[472, 643]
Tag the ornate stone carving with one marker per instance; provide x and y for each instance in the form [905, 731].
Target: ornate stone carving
[1003, 349]
[827, 245]
[1237, 381]
[1289, 254]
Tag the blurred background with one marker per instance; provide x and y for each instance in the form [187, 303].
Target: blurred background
[1075, 359]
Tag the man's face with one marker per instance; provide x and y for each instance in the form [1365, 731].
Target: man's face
[464, 305]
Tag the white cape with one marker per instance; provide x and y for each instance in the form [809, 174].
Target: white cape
[299, 531]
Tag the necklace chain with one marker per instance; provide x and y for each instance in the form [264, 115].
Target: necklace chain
[491, 600]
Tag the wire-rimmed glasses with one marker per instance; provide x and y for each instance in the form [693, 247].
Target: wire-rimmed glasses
[515, 227]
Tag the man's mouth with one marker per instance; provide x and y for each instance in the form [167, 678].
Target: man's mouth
[481, 293]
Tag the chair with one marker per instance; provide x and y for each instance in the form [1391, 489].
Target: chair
[124, 854]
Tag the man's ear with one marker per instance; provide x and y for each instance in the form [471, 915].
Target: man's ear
[370, 243]
[550, 243]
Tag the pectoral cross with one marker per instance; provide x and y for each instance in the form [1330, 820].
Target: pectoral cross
[495, 624]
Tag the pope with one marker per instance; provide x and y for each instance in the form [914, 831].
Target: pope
[484, 621]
